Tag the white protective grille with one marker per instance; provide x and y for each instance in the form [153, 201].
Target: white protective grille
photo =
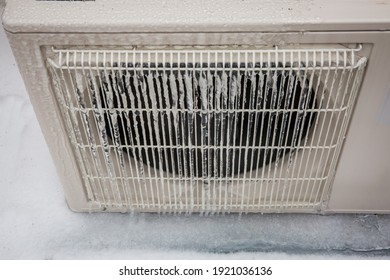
[206, 130]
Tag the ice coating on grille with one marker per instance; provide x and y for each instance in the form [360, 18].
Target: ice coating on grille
[206, 131]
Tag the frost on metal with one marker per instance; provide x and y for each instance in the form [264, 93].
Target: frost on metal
[206, 130]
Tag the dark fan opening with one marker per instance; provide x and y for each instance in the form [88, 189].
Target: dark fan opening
[232, 133]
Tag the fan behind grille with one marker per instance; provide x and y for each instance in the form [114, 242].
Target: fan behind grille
[220, 123]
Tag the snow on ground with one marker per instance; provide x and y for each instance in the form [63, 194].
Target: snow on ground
[35, 222]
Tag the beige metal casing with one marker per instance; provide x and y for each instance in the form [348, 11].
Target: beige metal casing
[361, 182]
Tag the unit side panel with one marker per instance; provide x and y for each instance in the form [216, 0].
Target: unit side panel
[362, 181]
[34, 73]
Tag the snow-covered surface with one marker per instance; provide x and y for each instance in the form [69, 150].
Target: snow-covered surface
[196, 15]
[35, 222]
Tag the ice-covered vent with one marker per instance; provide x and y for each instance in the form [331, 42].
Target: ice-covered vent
[206, 130]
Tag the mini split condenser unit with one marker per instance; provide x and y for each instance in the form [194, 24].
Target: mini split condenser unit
[211, 106]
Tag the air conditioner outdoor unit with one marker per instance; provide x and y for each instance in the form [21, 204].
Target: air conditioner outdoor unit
[213, 107]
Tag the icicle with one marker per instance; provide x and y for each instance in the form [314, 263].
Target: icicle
[231, 127]
[137, 85]
[224, 140]
[165, 94]
[190, 106]
[155, 114]
[98, 114]
[182, 139]
[205, 136]
[135, 147]
[108, 93]
[81, 102]
[212, 151]
[216, 141]
[175, 137]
